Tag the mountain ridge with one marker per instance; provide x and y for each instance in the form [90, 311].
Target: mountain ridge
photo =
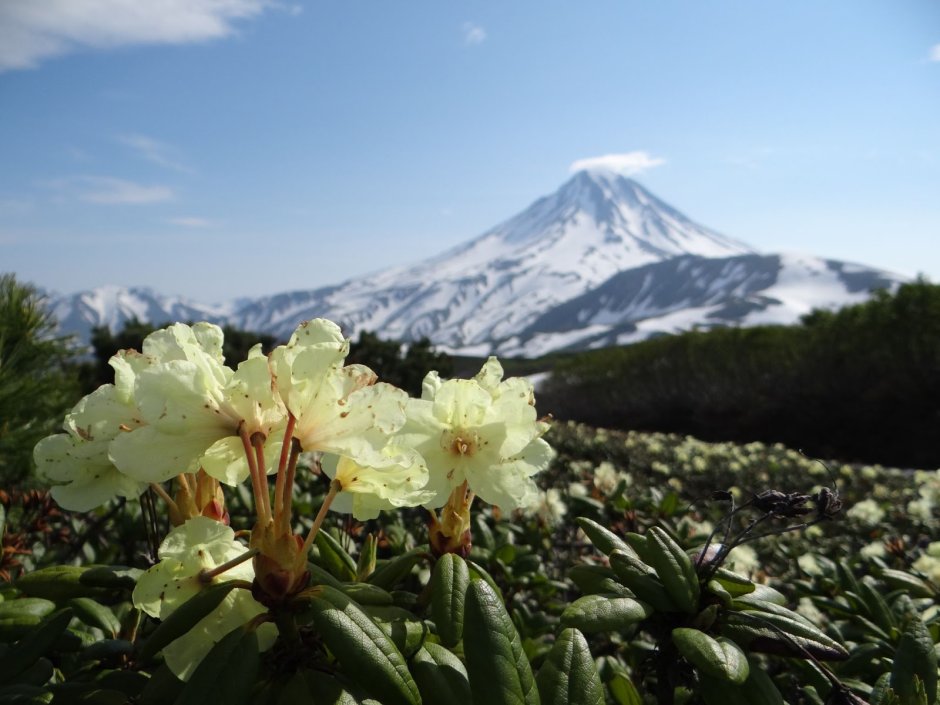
[528, 285]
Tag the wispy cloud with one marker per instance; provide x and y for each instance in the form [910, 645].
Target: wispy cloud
[934, 54]
[628, 163]
[473, 34]
[192, 221]
[34, 30]
[154, 151]
[751, 159]
[107, 190]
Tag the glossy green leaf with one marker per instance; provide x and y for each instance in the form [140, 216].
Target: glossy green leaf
[569, 676]
[367, 557]
[26, 607]
[228, 672]
[604, 540]
[915, 656]
[334, 557]
[499, 671]
[623, 691]
[642, 581]
[674, 568]
[758, 689]
[35, 644]
[390, 573]
[367, 594]
[604, 613]
[590, 578]
[718, 658]
[899, 579]
[361, 647]
[449, 583]
[772, 633]
[94, 614]
[441, 676]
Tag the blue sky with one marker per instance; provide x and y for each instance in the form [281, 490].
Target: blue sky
[224, 148]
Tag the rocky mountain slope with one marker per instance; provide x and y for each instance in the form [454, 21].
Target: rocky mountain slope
[601, 261]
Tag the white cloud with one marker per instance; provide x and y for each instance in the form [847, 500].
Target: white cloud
[192, 221]
[34, 30]
[935, 52]
[627, 164]
[154, 151]
[110, 191]
[473, 34]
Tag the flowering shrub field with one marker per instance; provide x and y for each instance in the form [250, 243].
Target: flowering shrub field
[296, 531]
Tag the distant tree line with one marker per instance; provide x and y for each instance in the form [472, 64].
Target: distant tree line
[858, 384]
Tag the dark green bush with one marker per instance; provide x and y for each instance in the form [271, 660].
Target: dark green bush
[860, 384]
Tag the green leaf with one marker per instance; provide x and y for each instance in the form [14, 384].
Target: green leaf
[899, 579]
[389, 574]
[95, 615]
[60, 583]
[26, 607]
[777, 633]
[449, 583]
[163, 687]
[758, 689]
[604, 613]
[623, 691]
[441, 676]
[185, 618]
[719, 658]
[34, 645]
[334, 557]
[734, 584]
[589, 578]
[478, 572]
[569, 676]
[882, 694]
[915, 656]
[227, 674]
[877, 607]
[604, 540]
[361, 647]
[367, 555]
[407, 635]
[674, 568]
[366, 593]
[642, 581]
[499, 671]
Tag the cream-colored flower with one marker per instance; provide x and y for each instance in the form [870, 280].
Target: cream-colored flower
[550, 507]
[338, 409]
[483, 431]
[77, 462]
[867, 512]
[194, 409]
[199, 544]
[366, 490]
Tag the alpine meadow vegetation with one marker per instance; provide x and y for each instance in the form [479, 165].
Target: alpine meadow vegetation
[293, 529]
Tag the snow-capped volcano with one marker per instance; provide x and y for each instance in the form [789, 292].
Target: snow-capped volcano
[488, 289]
[600, 261]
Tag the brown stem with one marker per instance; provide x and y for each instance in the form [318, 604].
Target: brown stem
[206, 576]
[158, 488]
[257, 440]
[260, 506]
[282, 467]
[335, 487]
[288, 488]
[184, 483]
